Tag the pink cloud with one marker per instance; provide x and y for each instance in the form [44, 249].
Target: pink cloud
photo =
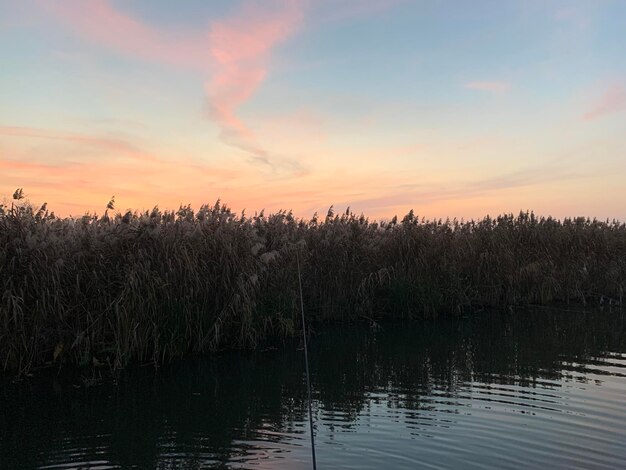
[137, 176]
[240, 49]
[117, 148]
[101, 142]
[101, 23]
[613, 100]
[237, 49]
[490, 86]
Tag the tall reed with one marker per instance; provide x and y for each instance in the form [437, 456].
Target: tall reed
[152, 286]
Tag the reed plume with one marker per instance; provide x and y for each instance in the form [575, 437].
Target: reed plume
[155, 285]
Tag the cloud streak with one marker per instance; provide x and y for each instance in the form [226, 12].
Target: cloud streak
[612, 100]
[94, 141]
[428, 193]
[101, 23]
[240, 49]
[236, 49]
[497, 87]
[137, 176]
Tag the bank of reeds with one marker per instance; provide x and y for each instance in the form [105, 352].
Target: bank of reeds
[156, 285]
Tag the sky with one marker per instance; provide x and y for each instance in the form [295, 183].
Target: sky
[451, 108]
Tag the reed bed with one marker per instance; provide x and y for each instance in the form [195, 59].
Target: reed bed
[151, 286]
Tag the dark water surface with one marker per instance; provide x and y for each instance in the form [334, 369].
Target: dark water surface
[539, 389]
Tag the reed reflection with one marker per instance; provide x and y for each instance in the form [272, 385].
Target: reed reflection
[244, 409]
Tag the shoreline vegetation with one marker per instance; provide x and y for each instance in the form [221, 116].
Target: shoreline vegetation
[156, 285]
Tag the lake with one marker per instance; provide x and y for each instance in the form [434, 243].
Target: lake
[534, 389]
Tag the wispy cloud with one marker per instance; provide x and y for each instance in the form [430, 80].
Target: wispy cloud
[137, 176]
[237, 50]
[428, 193]
[240, 48]
[104, 143]
[101, 23]
[612, 100]
[489, 86]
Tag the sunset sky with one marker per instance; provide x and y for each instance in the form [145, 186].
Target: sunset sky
[452, 108]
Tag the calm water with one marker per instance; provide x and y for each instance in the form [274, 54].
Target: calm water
[531, 389]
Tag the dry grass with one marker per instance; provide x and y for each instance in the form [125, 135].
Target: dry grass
[158, 285]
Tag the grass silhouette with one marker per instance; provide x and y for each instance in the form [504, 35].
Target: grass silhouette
[152, 286]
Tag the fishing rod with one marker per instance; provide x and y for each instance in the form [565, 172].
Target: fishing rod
[306, 363]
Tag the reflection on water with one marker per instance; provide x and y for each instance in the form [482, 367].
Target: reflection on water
[534, 389]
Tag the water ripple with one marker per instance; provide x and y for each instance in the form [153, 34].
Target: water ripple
[493, 393]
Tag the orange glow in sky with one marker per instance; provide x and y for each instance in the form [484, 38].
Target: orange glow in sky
[446, 108]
